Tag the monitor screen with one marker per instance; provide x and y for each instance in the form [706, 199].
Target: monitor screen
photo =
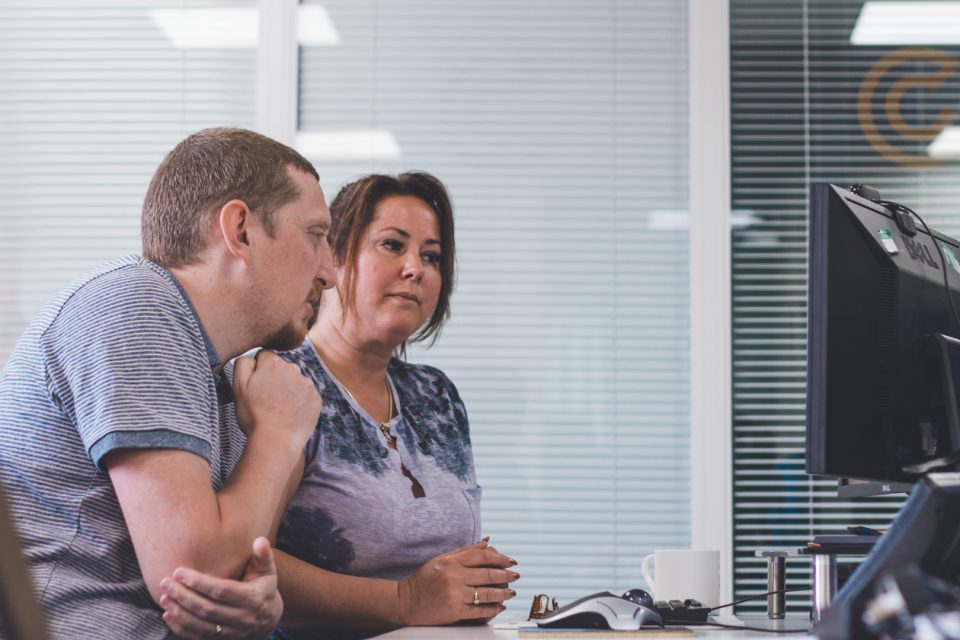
[883, 352]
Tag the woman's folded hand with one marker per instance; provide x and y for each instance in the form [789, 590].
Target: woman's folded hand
[469, 583]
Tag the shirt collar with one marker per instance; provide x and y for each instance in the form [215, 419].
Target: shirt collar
[212, 355]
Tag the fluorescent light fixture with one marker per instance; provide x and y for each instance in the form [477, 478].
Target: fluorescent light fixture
[668, 220]
[946, 145]
[237, 28]
[743, 218]
[674, 220]
[348, 145]
[208, 28]
[315, 28]
[902, 23]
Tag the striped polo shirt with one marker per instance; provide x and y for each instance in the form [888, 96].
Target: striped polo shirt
[117, 360]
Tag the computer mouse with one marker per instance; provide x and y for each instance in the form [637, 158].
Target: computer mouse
[639, 596]
[602, 610]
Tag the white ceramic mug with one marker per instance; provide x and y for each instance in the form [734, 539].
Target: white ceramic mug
[675, 574]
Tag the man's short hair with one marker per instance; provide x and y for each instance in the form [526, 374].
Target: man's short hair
[203, 173]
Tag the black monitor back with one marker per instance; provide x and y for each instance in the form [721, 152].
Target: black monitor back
[877, 396]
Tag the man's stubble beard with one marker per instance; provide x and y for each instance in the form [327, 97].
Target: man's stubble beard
[291, 335]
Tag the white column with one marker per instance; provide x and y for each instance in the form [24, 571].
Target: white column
[711, 430]
[278, 70]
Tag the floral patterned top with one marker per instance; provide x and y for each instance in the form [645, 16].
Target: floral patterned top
[355, 512]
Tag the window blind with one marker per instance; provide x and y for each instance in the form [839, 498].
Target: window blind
[93, 95]
[803, 98]
[560, 129]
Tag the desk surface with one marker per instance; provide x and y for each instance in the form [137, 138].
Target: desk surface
[487, 632]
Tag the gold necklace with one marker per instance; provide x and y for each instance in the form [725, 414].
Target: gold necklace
[385, 425]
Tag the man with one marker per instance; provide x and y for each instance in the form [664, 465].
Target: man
[110, 446]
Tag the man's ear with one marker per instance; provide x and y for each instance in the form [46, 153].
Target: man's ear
[235, 221]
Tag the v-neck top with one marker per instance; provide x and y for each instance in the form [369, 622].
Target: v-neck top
[355, 512]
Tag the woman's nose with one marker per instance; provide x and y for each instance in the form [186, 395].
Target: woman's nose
[412, 266]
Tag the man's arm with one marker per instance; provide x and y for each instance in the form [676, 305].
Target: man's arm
[174, 516]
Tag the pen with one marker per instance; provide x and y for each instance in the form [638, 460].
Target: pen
[865, 531]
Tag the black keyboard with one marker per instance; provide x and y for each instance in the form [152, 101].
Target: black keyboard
[681, 612]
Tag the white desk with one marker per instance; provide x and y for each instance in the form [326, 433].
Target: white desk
[487, 632]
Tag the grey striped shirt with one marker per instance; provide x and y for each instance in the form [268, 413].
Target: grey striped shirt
[117, 360]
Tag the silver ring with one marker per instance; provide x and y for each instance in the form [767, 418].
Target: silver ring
[476, 598]
[218, 630]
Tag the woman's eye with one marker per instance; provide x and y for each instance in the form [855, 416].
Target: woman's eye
[432, 257]
[392, 245]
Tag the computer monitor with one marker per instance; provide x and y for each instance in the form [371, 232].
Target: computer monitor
[883, 341]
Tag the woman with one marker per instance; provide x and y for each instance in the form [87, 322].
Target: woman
[382, 530]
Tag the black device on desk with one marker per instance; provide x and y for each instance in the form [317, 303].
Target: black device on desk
[684, 612]
[679, 612]
[926, 533]
[842, 544]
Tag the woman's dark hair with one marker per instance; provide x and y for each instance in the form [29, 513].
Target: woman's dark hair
[353, 210]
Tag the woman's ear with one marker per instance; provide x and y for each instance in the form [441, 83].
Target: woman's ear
[235, 221]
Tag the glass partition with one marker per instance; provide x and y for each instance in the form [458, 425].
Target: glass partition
[561, 131]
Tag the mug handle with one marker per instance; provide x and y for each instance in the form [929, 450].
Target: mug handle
[645, 566]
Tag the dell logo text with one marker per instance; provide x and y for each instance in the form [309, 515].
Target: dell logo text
[919, 252]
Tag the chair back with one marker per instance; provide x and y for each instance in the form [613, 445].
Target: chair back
[21, 617]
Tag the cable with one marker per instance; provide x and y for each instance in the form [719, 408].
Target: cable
[711, 623]
[733, 626]
[896, 207]
[760, 595]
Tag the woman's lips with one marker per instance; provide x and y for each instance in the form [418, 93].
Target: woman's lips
[405, 296]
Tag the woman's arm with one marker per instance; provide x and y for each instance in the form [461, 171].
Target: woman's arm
[440, 592]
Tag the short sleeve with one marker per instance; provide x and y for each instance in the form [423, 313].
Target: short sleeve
[125, 360]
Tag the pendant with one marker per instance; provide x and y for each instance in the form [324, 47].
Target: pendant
[385, 430]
